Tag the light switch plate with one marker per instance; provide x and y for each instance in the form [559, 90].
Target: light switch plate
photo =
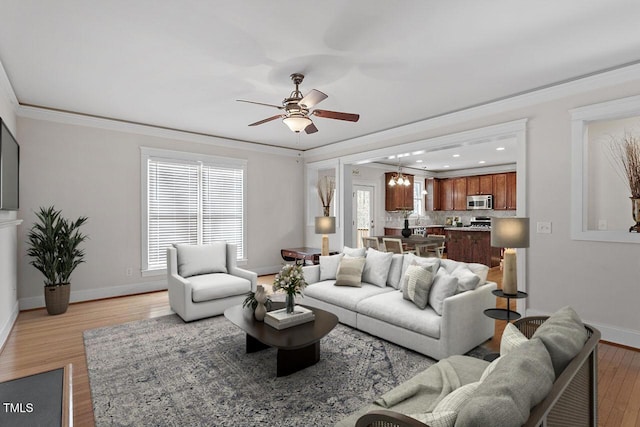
[543, 227]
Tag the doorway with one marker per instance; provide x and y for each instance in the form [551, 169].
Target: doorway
[363, 213]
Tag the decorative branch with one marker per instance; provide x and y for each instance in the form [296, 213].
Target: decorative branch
[326, 190]
[626, 156]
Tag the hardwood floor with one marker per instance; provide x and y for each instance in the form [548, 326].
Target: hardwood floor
[39, 342]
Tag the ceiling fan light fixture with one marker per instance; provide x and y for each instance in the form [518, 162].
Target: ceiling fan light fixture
[296, 123]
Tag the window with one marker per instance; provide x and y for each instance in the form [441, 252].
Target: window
[190, 198]
[417, 197]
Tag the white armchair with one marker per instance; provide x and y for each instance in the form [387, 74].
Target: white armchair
[204, 280]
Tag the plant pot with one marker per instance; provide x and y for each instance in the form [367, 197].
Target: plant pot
[56, 298]
[635, 212]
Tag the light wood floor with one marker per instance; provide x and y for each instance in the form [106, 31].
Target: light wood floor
[39, 342]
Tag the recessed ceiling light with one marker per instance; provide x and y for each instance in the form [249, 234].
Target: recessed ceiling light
[500, 149]
[418, 161]
[415, 153]
[456, 155]
[391, 157]
[482, 162]
[446, 166]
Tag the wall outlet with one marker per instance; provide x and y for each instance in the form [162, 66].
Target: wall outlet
[543, 227]
[129, 271]
[602, 224]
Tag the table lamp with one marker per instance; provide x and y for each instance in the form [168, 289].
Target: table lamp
[509, 233]
[325, 225]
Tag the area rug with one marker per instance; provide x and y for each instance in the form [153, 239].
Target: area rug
[164, 372]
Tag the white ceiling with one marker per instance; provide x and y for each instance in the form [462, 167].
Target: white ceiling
[182, 65]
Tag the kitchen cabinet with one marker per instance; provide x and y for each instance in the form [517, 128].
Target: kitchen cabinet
[479, 185]
[432, 199]
[439, 231]
[504, 191]
[460, 194]
[392, 231]
[446, 194]
[472, 246]
[398, 197]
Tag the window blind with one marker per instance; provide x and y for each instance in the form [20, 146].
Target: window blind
[191, 201]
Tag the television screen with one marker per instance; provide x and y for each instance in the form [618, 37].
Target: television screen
[9, 169]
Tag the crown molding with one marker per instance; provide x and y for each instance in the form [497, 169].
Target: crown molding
[65, 117]
[541, 95]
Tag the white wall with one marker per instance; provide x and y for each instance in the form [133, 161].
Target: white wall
[8, 254]
[95, 172]
[600, 280]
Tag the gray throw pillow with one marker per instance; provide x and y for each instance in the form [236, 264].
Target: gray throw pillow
[201, 259]
[414, 259]
[444, 285]
[564, 335]
[354, 252]
[394, 278]
[467, 279]
[417, 283]
[329, 266]
[376, 267]
[520, 380]
[350, 272]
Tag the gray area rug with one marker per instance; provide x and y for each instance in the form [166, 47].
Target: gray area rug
[164, 372]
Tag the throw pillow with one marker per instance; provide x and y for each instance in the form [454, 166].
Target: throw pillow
[511, 338]
[417, 283]
[467, 280]
[455, 400]
[444, 285]
[329, 266]
[395, 271]
[436, 419]
[481, 270]
[564, 335]
[354, 252]
[350, 272]
[520, 381]
[489, 369]
[201, 259]
[376, 267]
[414, 259]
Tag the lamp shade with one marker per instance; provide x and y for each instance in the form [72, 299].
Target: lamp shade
[325, 224]
[297, 123]
[510, 232]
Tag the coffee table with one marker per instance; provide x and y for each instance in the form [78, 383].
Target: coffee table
[298, 346]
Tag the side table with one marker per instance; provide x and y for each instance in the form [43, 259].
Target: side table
[505, 313]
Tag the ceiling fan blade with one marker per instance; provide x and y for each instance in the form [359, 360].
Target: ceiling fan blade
[349, 117]
[277, 116]
[312, 98]
[311, 128]
[279, 107]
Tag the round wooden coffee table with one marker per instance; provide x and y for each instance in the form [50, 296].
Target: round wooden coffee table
[298, 346]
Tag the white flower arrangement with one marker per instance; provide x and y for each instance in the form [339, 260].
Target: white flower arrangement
[290, 279]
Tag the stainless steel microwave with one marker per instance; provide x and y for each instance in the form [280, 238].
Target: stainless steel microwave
[479, 202]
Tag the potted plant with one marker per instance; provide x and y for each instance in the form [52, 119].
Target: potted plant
[54, 244]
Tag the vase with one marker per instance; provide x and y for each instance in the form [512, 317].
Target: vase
[406, 231]
[290, 303]
[261, 309]
[635, 212]
[326, 210]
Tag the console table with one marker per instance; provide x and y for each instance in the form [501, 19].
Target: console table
[300, 255]
[505, 313]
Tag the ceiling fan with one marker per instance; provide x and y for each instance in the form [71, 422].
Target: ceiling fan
[297, 109]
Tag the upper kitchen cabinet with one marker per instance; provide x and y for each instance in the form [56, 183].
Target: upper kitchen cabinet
[446, 194]
[504, 191]
[453, 194]
[398, 197]
[479, 185]
[432, 198]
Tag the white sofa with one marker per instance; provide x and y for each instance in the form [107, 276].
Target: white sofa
[455, 327]
[204, 280]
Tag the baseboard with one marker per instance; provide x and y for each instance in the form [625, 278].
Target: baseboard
[8, 325]
[100, 293]
[271, 269]
[614, 334]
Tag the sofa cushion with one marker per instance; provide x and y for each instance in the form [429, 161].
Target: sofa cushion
[520, 381]
[511, 338]
[416, 285]
[564, 335]
[345, 297]
[414, 259]
[207, 287]
[350, 272]
[329, 266]
[201, 259]
[376, 267]
[446, 411]
[467, 279]
[444, 285]
[395, 271]
[392, 308]
[354, 252]
[480, 270]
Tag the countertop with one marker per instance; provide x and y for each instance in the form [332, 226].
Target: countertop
[415, 226]
[468, 229]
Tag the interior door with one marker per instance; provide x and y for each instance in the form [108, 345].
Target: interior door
[363, 213]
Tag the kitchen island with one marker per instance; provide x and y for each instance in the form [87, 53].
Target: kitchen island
[472, 244]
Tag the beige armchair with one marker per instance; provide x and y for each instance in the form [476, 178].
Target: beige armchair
[204, 280]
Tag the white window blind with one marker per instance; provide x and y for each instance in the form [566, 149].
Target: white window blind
[190, 199]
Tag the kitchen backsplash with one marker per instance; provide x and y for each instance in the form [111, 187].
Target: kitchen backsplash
[396, 219]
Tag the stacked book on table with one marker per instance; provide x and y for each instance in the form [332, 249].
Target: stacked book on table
[280, 319]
